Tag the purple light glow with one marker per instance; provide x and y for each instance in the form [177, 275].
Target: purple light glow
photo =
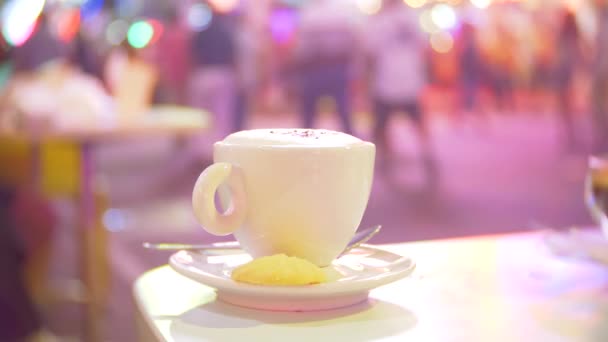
[282, 24]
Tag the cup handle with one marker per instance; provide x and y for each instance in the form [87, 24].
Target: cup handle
[203, 199]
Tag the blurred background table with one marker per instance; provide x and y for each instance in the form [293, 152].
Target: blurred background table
[62, 162]
[487, 288]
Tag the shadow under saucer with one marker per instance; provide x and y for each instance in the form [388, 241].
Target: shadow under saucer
[219, 321]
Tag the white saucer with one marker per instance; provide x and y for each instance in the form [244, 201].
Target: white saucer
[351, 277]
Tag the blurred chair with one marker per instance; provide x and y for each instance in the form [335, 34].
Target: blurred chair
[52, 169]
[16, 159]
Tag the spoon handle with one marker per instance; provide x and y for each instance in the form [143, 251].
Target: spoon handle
[359, 238]
[181, 246]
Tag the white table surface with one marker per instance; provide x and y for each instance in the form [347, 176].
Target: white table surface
[490, 288]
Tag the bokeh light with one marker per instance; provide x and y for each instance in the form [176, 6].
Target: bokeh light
[68, 25]
[199, 17]
[443, 16]
[283, 24]
[295, 3]
[19, 19]
[117, 31]
[454, 3]
[65, 23]
[115, 220]
[442, 42]
[369, 7]
[587, 21]
[224, 6]
[128, 8]
[426, 22]
[573, 5]
[415, 3]
[481, 3]
[157, 30]
[90, 8]
[140, 34]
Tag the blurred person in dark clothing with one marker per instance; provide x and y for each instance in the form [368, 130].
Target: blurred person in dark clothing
[471, 70]
[84, 56]
[25, 224]
[40, 48]
[397, 50]
[569, 56]
[172, 57]
[248, 47]
[18, 316]
[502, 73]
[543, 61]
[600, 80]
[324, 57]
[6, 74]
[499, 66]
[26, 227]
[213, 79]
[6, 65]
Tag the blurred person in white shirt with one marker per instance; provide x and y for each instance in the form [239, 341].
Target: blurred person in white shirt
[397, 50]
[324, 58]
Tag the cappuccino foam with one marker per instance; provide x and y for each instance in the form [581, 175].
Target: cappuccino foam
[291, 137]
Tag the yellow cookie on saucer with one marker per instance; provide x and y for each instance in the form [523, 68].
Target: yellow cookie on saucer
[279, 269]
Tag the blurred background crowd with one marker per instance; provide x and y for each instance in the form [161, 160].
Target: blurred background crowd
[483, 111]
[237, 58]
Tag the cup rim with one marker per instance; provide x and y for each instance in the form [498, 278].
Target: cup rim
[360, 144]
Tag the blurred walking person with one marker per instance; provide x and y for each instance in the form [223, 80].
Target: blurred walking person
[172, 58]
[248, 42]
[501, 70]
[569, 55]
[600, 80]
[213, 81]
[397, 49]
[325, 54]
[470, 71]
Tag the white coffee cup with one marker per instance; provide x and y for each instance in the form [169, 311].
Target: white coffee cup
[293, 191]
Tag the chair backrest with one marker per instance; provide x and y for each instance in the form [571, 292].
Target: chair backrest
[15, 162]
[54, 166]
